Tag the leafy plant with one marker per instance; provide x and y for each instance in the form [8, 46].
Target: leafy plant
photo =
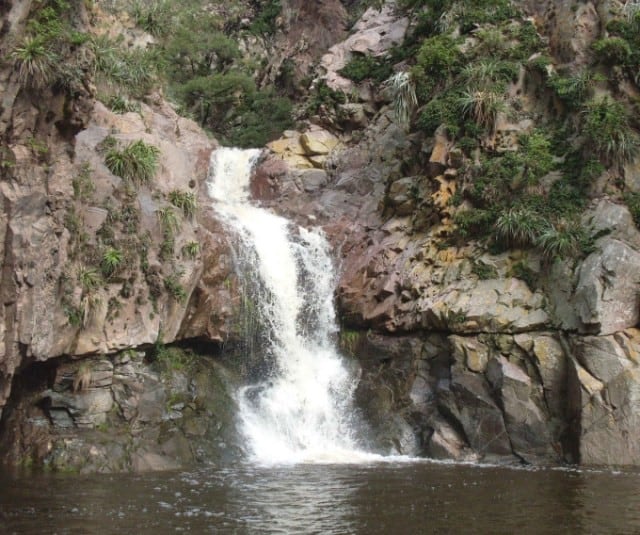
[185, 201]
[120, 104]
[175, 288]
[404, 96]
[483, 106]
[612, 50]
[89, 279]
[608, 132]
[561, 241]
[265, 22]
[362, 67]
[137, 162]
[112, 259]
[35, 62]
[519, 227]
[632, 201]
[168, 220]
[484, 271]
[191, 249]
[83, 186]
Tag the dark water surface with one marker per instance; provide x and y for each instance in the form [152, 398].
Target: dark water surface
[368, 499]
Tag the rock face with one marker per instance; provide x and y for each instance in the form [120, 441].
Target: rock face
[110, 414]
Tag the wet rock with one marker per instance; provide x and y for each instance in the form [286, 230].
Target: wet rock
[606, 410]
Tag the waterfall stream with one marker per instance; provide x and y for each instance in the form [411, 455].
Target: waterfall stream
[300, 410]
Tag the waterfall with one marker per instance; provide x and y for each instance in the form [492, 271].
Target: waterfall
[301, 410]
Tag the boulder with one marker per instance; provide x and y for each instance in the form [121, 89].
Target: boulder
[607, 297]
[604, 399]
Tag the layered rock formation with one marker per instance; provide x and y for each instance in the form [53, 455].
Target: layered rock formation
[466, 354]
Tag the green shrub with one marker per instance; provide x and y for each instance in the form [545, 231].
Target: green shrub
[444, 109]
[474, 222]
[36, 63]
[191, 249]
[362, 67]
[535, 156]
[120, 104]
[153, 17]
[112, 260]
[137, 162]
[168, 220]
[483, 106]
[575, 88]
[519, 227]
[484, 271]
[83, 186]
[632, 201]
[612, 50]
[561, 241]
[265, 22]
[89, 279]
[608, 132]
[439, 57]
[175, 289]
[185, 201]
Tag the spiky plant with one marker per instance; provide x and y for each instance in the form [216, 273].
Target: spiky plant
[608, 132]
[137, 162]
[168, 220]
[89, 278]
[403, 91]
[519, 227]
[483, 106]
[561, 240]
[35, 62]
[185, 200]
[175, 288]
[112, 259]
[191, 249]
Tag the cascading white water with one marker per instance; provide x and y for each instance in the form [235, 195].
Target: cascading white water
[302, 412]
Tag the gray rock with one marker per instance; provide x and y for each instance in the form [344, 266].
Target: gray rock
[607, 297]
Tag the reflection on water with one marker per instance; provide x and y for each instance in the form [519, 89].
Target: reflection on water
[371, 499]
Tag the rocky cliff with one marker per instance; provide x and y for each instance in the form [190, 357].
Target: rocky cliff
[479, 336]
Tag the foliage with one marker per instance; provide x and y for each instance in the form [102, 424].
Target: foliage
[562, 240]
[112, 259]
[484, 271]
[474, 222]
[608, 132]
[89, 279]
[362, 67]
[168, 220]
[185, 201]
[153, 17]
[632, 201]
[575, 88]
[137, 162]
[323, 96]
[120, 104]
[83, 186]
[519, 227]
[483, 106]
[35, 62]
[404, 96]
[265, 22]
[191, 249]
[612, 50]
[439, 57]
[175, 288]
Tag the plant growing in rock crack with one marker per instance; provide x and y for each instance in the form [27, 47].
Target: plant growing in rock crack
[191, 249]
[83, 186]
[169, 222]
[403, 92]
[519, 227]
[483, 106]
[185, 200]
[608, 132]
[112, 259]
[562, 240]
[175, 288]
[89, 279]
[35, 62]
[137, 162]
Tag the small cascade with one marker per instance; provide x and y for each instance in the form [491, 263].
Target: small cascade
[301, 409]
